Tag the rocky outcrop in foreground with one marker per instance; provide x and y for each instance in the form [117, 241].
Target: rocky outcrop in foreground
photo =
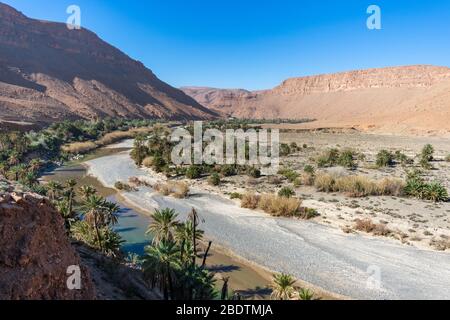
[35, 251]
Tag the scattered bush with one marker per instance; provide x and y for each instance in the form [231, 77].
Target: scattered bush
[447, 158]
[178, 190]
[309, 169]
[402, 158]
[368, 226]
[328, 159]
[228, 170]
[235, 195]
[250, 201]
[384, 159]
[254, 172]
[123, 186]
[289, 174]
[286, 192]
[148, 162]
[193, 172]
[285, 150]
[346, 159]
[308, 213]
[427, 152]
[417, 187]
[214, 179]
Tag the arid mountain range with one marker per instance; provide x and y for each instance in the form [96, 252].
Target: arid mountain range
[48, 73]
[401, 100]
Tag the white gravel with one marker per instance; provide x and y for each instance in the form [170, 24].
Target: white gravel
[321, 255]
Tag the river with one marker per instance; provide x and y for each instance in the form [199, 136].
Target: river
[249, 280]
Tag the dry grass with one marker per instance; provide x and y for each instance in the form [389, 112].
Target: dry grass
[368, 226]
[358, 186]
[272, 204]
[148, 162]
[250, 201]
[178, 190]
[109, 138]
[79, 147]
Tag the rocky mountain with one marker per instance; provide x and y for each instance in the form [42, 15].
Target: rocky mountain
[48, 72]
[35, 251]
[405, 100]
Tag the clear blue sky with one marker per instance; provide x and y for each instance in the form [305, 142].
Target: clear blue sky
[258, 44]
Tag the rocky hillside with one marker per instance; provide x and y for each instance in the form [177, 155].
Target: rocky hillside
[413, 99]
[35, 251]
[48, 72]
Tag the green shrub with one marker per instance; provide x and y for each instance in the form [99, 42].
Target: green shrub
[447, 158]
[228, 170]
[286, 192]
[254, 172]
[309, 169]
[436, 192]
[285, 150]
[235, 195]
[193, 172]
[289, 174]
[384, 159]
[328, 159]
[346, 159]
[123, 186]
[214, 179]
[417, 187]
[427, 152]
[402, 158]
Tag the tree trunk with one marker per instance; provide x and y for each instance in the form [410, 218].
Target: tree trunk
[224, 289]
[206, 254]
[97, 231]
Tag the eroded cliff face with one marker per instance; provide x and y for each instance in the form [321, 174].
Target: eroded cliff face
[400, 100]
[35, 251]
[49, 73]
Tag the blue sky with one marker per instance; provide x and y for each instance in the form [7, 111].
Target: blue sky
[258, 44]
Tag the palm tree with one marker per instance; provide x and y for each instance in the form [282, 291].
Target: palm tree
[3, 169]
[87, 191]
[183, 236]
[163, 226]
[54, 189]
[159, 264]
[283, 287]
[194, 218]
[35, 165]
[13, 159]
[110, 213]
[93, 208]
[70, 185]
[304, 294]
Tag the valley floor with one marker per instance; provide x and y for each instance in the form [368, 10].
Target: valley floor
[347, 264]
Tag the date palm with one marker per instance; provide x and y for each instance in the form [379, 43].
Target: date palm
[70, 185]
[159, 263]
[283, 287]
[163, 226]
[87, 191]
[54, 188]
[93, 209]
[183, 236]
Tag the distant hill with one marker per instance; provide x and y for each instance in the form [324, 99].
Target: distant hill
[401, 100]
[48, 73]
